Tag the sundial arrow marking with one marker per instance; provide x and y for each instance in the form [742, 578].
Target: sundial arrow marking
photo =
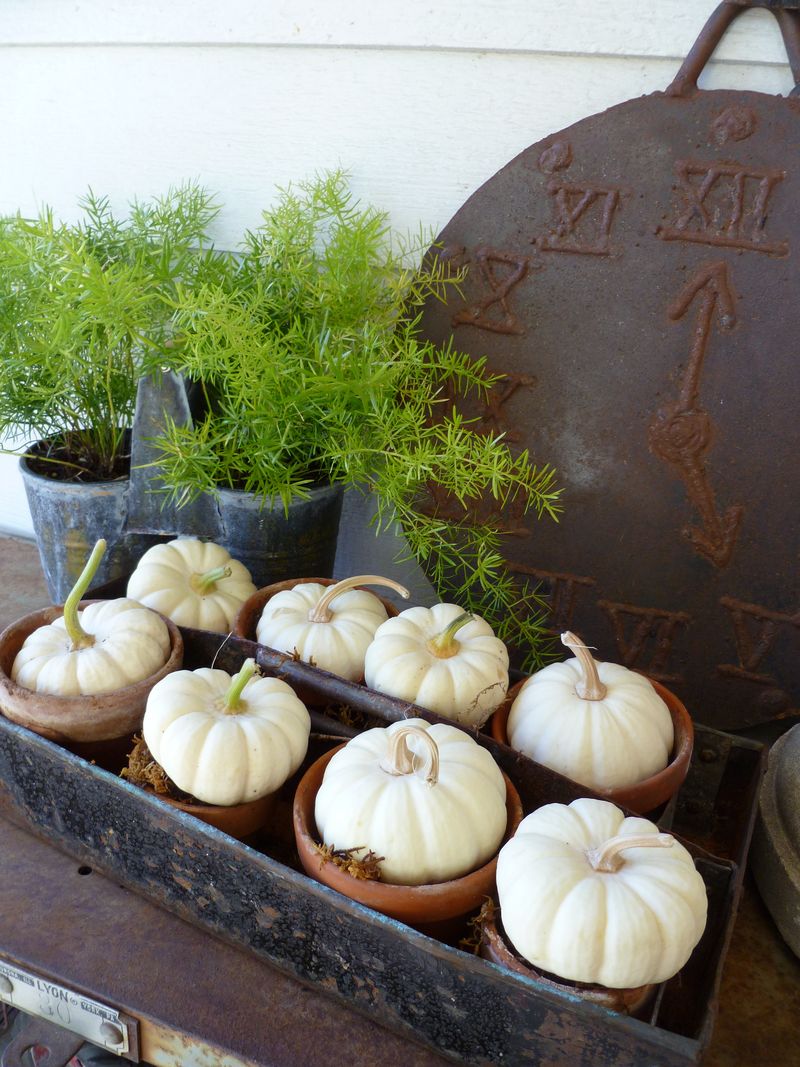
[681, 433]
[712, 284]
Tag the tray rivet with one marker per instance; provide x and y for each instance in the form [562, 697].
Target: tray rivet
[110, 1033]
[708, 755]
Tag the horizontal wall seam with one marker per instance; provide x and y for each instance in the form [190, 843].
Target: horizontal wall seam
[411, 49]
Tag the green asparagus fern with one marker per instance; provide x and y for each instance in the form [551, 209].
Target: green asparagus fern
[308, 349]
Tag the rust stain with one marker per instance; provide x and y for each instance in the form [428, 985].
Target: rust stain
[735, 123]
[557, 156]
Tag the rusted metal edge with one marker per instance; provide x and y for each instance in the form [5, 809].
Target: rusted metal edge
[750, 805]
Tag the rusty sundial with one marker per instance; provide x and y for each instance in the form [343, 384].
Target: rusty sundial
[635, 277]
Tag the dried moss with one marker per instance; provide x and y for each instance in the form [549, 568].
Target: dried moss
[366, 868]
[471, 941]
[145, 772]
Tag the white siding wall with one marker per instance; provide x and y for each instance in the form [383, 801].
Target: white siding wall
[420, 102]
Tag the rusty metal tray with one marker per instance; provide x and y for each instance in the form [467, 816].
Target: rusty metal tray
[254, 895]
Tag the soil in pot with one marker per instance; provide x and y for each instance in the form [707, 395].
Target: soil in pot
[439, 909]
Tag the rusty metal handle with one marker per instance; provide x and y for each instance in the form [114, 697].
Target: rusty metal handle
[789, 22]
[711, 34]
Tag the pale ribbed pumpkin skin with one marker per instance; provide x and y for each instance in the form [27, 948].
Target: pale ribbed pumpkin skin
[603, 744]
[131, 643]
[338, 646]
[620, 929]
[162, 581]
[225, 758]
[425, 833]
[466, 687]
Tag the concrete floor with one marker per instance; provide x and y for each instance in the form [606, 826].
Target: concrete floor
[759, 1010]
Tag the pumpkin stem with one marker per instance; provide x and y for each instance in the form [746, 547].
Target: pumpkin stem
[204, 583]
[400, 759]
[444, 644]
[589, 687]
[607, 857]
[76, 633]
[233, 697]
[322, 612]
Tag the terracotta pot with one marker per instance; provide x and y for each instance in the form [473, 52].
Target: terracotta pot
[246, 621]
[494, 947]
[650, 793]
[238, 820]
[419, 906]
[102, 717]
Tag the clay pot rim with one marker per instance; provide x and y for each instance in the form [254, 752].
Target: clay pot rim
[246, 620]
[429, 901]
[237, 820]
[195, 804]
[13, 637]
[495, 947]
[649, 793]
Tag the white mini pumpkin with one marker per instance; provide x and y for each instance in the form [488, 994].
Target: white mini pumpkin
[426, 798]
[108, 645]
[598, 723]
[329, 626]
[440, 658]
[226, 739]
[592, 896]
[194, 583]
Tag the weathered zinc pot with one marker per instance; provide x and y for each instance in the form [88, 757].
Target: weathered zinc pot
[69, 518]
[776, 841]
[273, 542]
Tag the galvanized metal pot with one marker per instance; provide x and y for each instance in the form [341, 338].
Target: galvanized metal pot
[69, 517]
[275, 544]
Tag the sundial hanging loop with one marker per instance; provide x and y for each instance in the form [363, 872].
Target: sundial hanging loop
[635, 277]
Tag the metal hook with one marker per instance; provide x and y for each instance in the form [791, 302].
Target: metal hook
[685, 80]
